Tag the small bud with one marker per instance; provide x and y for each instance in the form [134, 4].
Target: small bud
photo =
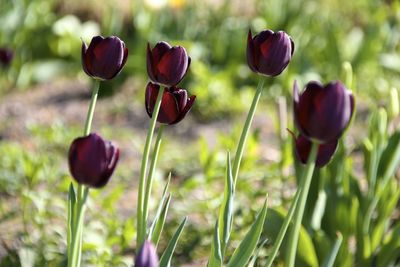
[147, 256]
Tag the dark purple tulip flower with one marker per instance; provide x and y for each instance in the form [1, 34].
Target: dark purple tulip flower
[104, 58]
[167, 65]
[147, 256]
[269, 52]
[324, 154]
[322, 113]
[92, 160]
[175, 103]
[6, 55]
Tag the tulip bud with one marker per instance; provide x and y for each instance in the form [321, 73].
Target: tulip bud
[6, 55]
[147, 256]
[104, 58]
[322, 113]
[269, 53]
[175, 103]
[324, 154]
[92, 160]
[167, 65]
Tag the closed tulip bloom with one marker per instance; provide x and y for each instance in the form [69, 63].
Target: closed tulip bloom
[269, 52]
[167, 65]
[324, 154]
[322, 113]
[104, 58]
[175, 103]
[92, 160]
[6, 55]
[147, 256]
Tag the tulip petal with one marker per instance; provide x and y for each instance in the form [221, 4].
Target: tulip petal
[186, 109]
[251, 61]
[152, 91]
[92, 160]
[108, 57]
[172, 66]
[169, 108]
[324, 154]
[323, 112]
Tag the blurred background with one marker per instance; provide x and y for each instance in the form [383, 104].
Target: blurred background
[44, 96]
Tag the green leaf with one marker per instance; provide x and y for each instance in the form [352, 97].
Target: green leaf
[216, 255]
[226, 211]
[306, 255]
[246, 248]
[330, 260]
[158, 223]
[283, 229]
[161, 214]
[165, 260]
[71, 212]
[390, 158]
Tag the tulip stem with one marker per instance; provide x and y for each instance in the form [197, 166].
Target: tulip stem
[149, 181]
[304, 186]
[141, 227]
[75, 246]
[245, 131]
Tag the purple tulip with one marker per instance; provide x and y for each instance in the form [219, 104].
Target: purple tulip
[322, 113]
[6, 55]
[167, 65]
[104, 58]
[175, 103]
[147, 256]
[269, 53]
[92, 160]
[324, 154]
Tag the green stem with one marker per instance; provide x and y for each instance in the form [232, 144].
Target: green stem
[74, 250]
[141, 229]
[304, 186]
[149, 181]
[245, 131]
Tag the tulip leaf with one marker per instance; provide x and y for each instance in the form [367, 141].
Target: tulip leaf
[330, 259]
[390, 158]
[246, 248]
[161, 214]
[216, 254]
[158, 223]
[165, 260]
[226, 211]
[71, 211]
[282, 231]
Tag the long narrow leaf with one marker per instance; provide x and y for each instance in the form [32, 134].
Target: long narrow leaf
[159, 219]
[330, 259]
[71, 212]
[257, 253]
[282, 231]
[246, 248]
[165, 260]
[216, 255]
[226, 211]
[155, 231]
